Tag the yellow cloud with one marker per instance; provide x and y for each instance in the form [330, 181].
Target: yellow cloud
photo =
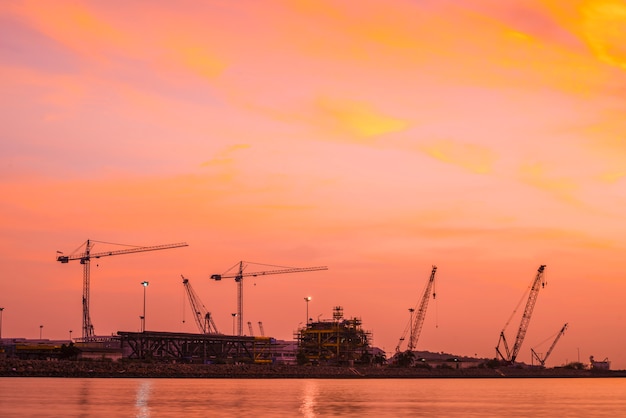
[472, 157]
[358, 119]
[535, 174]
[199, 60]
[612, 177]
[604, 29]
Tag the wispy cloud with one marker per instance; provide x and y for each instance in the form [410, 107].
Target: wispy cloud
[472, 157]
[226, 156]
[357, 119]
[536, 174]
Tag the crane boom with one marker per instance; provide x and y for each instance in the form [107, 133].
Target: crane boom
[203, 318]
[511, 355]
[239, 276]
[542, 361]
[421, 314]
[85, 259]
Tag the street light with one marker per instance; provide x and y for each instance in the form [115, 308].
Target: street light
[70, 335]
[143, 318]
[411, 310]
[1, 309]
[307, 300]
[234, 315]
[40, 331]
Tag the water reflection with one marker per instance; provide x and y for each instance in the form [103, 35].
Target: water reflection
[143, 396]
[84, 398]
[309, 398]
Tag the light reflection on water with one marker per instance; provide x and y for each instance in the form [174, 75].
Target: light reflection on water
[309, 397]
[53, 397]
[143, 396]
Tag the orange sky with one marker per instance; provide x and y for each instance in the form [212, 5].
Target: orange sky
[377, 138]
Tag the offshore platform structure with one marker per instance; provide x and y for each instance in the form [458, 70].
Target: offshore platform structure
[542, 359]
[240, 274]
[338, 341]
[509, 356]
[202, 316]
[416, 326]
[85, 257]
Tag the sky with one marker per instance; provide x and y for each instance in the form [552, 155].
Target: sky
[375, 138]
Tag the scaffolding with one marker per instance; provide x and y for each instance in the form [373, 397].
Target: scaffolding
[337, 341]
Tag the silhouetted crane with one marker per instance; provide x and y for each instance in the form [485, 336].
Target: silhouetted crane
[416, 326]
[239, 276]
[85, 258]
[542, 360]
[203, 318]
[511, 355]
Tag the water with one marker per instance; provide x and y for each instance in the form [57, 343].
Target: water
[54, 397]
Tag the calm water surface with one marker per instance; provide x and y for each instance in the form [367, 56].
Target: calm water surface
[53, 397]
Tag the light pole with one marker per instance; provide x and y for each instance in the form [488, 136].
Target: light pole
[411, 310]
[40, 331]
[234, 316]
[70, 335]
[307, 300]
[143, 318]
[1, 309]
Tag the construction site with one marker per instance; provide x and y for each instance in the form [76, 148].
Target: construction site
[336, 341]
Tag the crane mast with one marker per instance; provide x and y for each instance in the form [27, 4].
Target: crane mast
[542, 361]
[421, 314]
[239, 276]
[85, 259]
[511, 355]
[203, 318]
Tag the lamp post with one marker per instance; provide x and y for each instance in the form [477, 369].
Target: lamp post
[143, 318]
[411, 310]
[1, 309]
[234, 316]
[70, 335]
[40, 331]
[307, 300]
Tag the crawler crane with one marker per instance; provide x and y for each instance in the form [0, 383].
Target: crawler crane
[542, 360]
[509, 356]
[203, 318]
[416, 327]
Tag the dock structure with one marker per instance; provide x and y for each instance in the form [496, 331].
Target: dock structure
[195, 348]
[336, 341]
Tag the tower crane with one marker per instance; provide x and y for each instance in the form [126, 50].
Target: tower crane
[511, 355]
[203, 318]
[416, 326]
[85, 258]
[239, 276]
[541, 360]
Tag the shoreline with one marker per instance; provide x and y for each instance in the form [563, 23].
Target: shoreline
[127, 369]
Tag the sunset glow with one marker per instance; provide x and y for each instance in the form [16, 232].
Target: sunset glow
[376, 138]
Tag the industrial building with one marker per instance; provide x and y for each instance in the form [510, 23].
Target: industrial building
[336, 341]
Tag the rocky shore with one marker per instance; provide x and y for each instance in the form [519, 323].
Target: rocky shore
[127, 369]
